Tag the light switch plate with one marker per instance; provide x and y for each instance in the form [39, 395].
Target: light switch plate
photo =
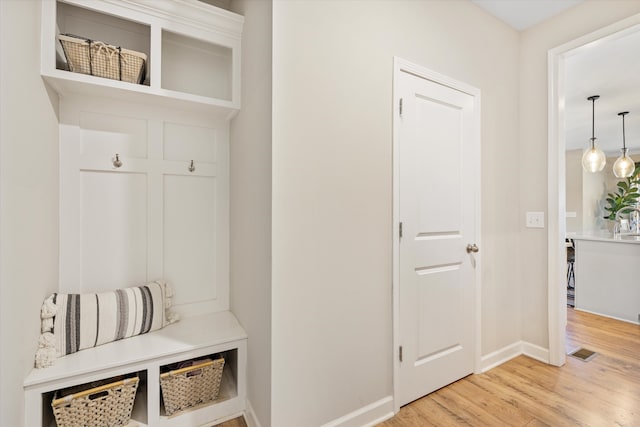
[535, 220]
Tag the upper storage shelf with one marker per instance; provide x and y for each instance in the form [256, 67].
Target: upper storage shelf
[192, 50]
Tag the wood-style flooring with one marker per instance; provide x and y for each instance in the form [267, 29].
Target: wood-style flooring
[605, 391]
[236, 422]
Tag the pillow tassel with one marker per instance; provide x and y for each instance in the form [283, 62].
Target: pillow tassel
[170, 315]
[46, 353]
[47, 313]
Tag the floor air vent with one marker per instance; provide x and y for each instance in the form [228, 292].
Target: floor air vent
[583, 354]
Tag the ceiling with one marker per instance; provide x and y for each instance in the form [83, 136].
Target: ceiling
[609, 68]
[522, 14]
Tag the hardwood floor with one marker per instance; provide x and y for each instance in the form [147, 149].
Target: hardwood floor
[605, 391]
[236, 422]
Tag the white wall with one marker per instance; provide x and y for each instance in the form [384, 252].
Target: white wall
[535, 44]
[28, 199]
[332, 117]
[251, 202]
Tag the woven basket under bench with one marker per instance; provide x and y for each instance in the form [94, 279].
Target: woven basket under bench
[107, 405]
[100, 59]
[190, 386]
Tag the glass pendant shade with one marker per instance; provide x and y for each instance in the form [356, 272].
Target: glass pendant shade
[594, 159]
[624, 166]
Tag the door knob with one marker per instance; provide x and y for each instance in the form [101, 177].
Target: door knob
[472, 248]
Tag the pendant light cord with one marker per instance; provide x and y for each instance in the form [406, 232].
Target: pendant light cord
[624, 142]
[593, 119]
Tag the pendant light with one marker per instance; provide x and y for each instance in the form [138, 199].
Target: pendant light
[593, 159]
[624, 166]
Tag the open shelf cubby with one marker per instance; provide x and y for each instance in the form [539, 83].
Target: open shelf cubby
[189, 63]
[138, 413]
[146, 355]
[228, 384]
[96, 26]
[192, 51]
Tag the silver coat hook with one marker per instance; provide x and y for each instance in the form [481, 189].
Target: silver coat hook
[117, 162]
[191, 167]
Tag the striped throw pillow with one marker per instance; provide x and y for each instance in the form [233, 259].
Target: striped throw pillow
[82, 321]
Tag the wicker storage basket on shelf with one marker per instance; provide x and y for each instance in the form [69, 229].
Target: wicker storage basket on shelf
[108, 405]
[103, 60]
[191, 386]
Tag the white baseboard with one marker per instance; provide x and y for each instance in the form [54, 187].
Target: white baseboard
[507, 353]
[535, 352]
[250, 416]
[382, 409]
[498, 357]
[367, 416]
[610, 317]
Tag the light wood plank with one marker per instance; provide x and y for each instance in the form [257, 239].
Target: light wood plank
[235, 422]
[526, 392]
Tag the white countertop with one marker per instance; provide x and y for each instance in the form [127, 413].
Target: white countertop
[605, 236]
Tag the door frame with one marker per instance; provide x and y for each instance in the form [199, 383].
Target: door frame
[556, 185]
[399, 66]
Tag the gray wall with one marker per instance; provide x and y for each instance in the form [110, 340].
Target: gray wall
[251, 202]
[332, 199]
[573, 182]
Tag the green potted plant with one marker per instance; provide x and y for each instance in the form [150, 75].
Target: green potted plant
[627, 195]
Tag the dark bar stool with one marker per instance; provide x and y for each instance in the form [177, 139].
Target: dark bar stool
[571, 277]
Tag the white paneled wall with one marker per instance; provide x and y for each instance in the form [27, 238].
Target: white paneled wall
[113, 230]
[154, 216]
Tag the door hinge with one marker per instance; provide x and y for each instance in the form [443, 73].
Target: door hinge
[400, 353]
[400, 106]
[400, 232]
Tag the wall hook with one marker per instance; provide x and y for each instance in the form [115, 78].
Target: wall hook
[117, 162]
[191, 167]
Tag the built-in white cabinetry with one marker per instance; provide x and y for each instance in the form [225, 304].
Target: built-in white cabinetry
[160, 210]
[144, 355]
[144, 171]
[193, 50]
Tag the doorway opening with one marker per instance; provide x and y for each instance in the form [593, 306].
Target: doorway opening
[557, 273]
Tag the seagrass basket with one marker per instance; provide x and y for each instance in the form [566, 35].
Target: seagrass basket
[190, 386]
[108, 405]
[100, 59]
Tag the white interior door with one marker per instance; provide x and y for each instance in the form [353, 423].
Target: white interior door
[437, 138]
